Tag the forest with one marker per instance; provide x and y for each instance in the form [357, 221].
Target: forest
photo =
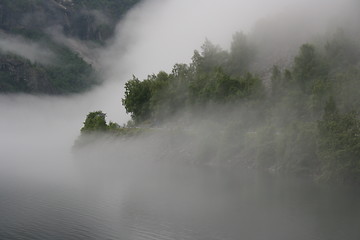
[61, 28]
[302, 119]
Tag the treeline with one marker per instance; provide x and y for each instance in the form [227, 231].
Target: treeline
[214, 76]
[95, 122]
[306, 122]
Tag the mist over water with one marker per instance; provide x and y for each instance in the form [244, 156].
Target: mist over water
[152, 37]
[123, 190]
[38, 132]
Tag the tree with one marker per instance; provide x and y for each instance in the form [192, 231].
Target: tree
[211, 57]
[339, 145]
[95, 121]
[309, 67]
[137, 98]
[241, 55]
[276, 81]
[330, 110]
[305, 65]
[226, 88]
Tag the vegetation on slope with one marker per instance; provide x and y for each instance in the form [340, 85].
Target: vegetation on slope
[306, 122]
[211, 77]
[96, 122]
[42, 22]
[92, 20]
[69, 73]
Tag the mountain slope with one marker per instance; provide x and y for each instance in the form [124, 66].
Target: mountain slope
[37, 54]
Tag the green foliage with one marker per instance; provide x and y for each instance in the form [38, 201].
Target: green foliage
[281, 82]
[30, 17]
[309, 67]
[68, 73]
[137, 98]
[211, 58]
[305, 64]
[91, 20]
[7, 84]
[114, 7]
[339, 147]
[202, 82]
[308, 123]
[276, 81]
[21, 5]
[95, 121]
[241, 56]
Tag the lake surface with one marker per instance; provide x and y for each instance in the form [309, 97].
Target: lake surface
[177, 202]
[120, 190]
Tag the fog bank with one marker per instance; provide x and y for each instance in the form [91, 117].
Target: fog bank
[39, 131]
[30, 50]
[157, 34]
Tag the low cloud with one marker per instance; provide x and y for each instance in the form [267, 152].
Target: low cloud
[87, 51]
[35, 52]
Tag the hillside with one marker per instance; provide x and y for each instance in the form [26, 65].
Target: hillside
[35, 53]
[92, 20]
[305, 121]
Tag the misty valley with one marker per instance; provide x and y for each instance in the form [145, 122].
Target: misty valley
[149, 119]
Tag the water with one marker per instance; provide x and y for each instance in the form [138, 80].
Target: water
[180, 202]
[46, 194]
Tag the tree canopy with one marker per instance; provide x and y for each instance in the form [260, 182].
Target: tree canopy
[304, 119]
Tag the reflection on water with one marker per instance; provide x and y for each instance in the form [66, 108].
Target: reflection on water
[181, 203]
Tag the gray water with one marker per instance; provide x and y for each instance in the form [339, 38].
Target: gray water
[120, 190]
[180, 202]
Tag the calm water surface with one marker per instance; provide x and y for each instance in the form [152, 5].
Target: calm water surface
[178, 203]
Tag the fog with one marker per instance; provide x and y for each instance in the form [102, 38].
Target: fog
[37, 133]
[30, 50]
[161, 33]
[87, 50]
